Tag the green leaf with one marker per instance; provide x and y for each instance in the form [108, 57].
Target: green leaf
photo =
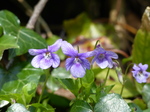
[146, 94]
[28, 91]
[111, 103]
[3, 103]
[141, 46]
[43, 108]
[28, 39]
[88, 78]
[81, 106]
[140, 102]
[9, 75]
[17, 107]
[58, 101]
[134, 107]
[52, 84]
[72, 84]
[1, 31]
[82, 25]
[7, 42]
[1, 54]
[147, 110]
[129, 89]
[23, 87]
[73, 27]
[103, 91]
[9, 22]
[61, 73]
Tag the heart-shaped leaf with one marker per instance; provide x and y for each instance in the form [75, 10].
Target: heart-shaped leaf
[111, 103]
[17, 107]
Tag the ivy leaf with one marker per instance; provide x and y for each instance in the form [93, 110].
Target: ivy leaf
[17, 107]
[7, 42]
[26, 38]
[9, 22]
[111, 103]
[81, 106]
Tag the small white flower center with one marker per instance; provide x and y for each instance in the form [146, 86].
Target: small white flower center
[101, 55]
[139, 73]
[47, 55]
[77, 60]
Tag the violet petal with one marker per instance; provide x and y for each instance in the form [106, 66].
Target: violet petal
[143, 67]
[56, 60]
[102, 63]
[36, 51]
[69, 63]
[135, 67]
[87, 54]
[55, 46]
[112, 54]
[110, 62]
[36, 60]
[77, 70]
[46, 63]
[68, 49]
[85, 63]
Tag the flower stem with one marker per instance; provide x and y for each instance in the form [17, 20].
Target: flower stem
[128, 68]
[122, 90]
[123, 78]
[106, 77]
[96, 44]
[47, 74]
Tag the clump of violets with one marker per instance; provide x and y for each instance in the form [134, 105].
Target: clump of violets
[77, 63]
[140, 73]
[103, 58]
[45, 58]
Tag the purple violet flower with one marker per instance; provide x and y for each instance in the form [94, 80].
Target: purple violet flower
[103, 58]
[45, 58]
[77, 63]
[140, 73]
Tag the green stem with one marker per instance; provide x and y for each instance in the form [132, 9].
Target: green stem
[47, 73]
[123, 78]
[128, 68]
[122, 90]
[106, 77]
[96, 44]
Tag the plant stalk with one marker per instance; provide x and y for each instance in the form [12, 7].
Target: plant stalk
[47, 73]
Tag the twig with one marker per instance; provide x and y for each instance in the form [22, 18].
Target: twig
[29, 12]
[37, 10]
